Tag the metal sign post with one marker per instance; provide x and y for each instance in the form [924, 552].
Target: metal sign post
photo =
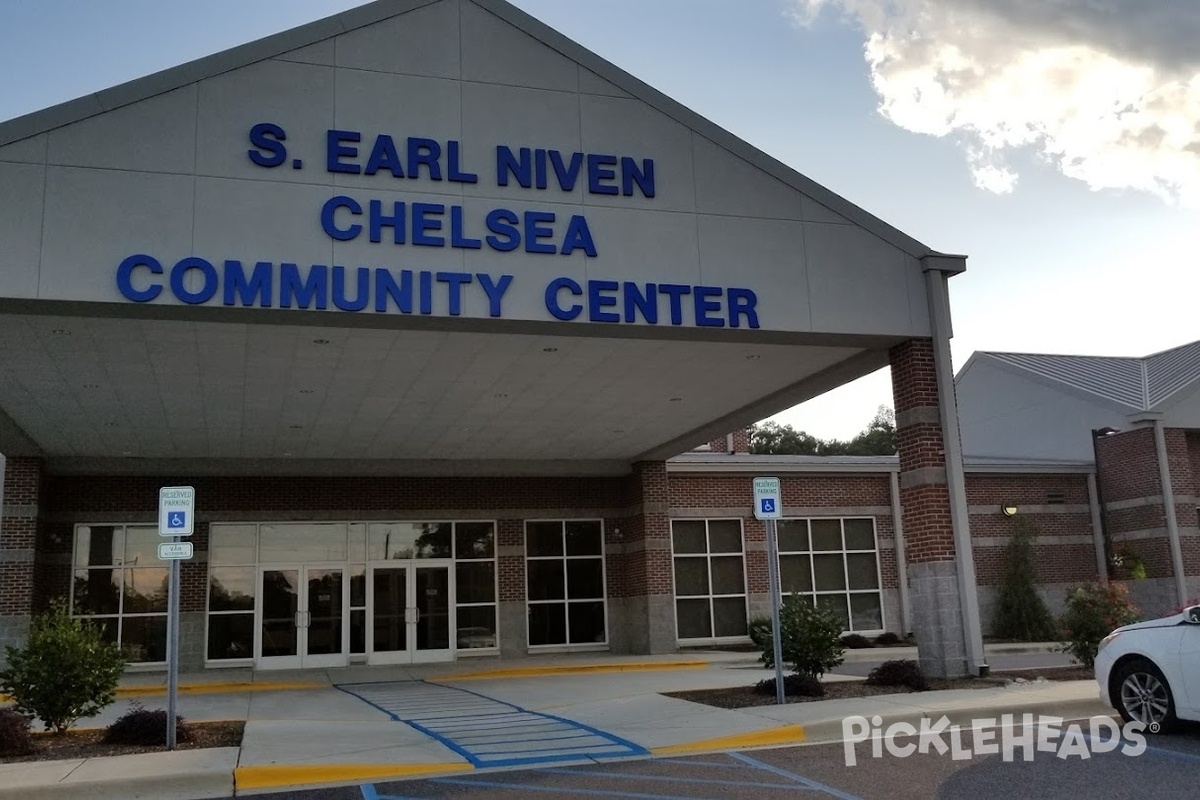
[176, 518]
[768, 506]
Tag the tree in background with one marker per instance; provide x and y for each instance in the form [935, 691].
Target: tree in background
[1021, 613]
[877, 439]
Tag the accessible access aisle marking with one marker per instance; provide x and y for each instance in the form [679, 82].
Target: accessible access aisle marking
[487, 732]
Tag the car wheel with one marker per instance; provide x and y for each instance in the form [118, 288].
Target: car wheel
[1142, 694]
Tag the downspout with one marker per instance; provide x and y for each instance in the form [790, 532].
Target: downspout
[901, 559]
[939, 318]
[1168, 496]
[729, 444]
[1097, 528]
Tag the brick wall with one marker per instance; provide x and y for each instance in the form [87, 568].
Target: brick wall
[741, 442]
[18, 534]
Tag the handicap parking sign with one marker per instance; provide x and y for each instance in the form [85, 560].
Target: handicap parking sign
[768, 500]
[176, 510]
[768, 505]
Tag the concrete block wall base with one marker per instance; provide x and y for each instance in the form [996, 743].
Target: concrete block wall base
[513, 629]
[14, 628]
[937, 616]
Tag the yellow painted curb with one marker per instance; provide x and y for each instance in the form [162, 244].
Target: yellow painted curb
[786, 734]
[218, 688]
[571, 669]
[271, 776]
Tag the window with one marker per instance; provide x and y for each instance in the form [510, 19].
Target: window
[834, 563]
[120, 584]
[232, 580]
[475, 584]
[564, 575]
[710, 579]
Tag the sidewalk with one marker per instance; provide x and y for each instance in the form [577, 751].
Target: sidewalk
[359, 724]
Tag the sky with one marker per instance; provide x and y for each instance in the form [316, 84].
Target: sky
[1055, 143]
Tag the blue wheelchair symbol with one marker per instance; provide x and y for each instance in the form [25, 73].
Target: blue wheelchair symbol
[768, 505]
[176, 520]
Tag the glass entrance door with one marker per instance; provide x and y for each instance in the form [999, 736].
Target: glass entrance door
[302, 617]
[409, 605]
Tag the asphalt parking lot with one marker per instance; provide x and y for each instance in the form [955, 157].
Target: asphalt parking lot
[1169, 768]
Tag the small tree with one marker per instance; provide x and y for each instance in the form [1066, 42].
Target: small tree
[1021, 613]
[1094, 610]
[65, 672]
[811, 638]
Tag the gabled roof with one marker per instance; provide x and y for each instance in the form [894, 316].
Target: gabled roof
[1140, 384]
[372, 13]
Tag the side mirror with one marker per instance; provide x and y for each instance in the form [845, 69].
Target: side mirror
[1192, 615]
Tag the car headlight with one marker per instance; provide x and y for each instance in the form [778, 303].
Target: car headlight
[1107, 640]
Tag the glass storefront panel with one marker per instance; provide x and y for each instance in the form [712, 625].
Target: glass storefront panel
[96, 591]
[547, 623]
[792, 535]
[688, 536]
[302, 541]
[584, 538]
[232, 544]
[474, 540]
[586, 622]
[543, 539]
[475, 582]
[230, 636]
[146, 590]
[585, 578]
[694, 618]
[846, 579]
[545, 579]
[99, 545]
[144, 639]
[476, 627]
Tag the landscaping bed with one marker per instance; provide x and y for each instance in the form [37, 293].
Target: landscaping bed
[746, 696]
[88, 742]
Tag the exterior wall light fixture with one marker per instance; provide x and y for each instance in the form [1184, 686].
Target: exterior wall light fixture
[1009, 509]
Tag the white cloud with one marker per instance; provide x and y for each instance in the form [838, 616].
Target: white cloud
[1106, 90]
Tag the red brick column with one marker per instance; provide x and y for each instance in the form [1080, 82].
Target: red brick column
[925, 507]
[19, 507]
[646, 608]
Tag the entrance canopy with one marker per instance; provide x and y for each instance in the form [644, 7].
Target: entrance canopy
[422, 236]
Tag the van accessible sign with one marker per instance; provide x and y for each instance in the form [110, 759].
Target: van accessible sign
[405, 230]
[176, 510]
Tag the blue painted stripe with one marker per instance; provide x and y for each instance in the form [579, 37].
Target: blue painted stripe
[558, 789]
[634, 776]
[694, 762]
[605, 747]
[569, 733]
[474, 694]
[809, 782]
[636, 748]
[448, 742]
[573, 758]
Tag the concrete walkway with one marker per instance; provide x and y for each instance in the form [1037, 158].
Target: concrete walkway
[362, 724]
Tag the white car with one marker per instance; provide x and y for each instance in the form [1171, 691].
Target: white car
[1150, 671]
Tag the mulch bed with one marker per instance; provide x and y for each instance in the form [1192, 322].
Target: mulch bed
[87, 743]
[746, 696]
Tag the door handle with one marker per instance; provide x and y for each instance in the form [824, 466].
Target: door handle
[416, 615]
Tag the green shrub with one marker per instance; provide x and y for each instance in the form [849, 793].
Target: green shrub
[760, 631]
[65, 672]
[15, 739]
[856, 641]
[899, 673]
[811, 638]
[142, 727]
[793, 686]
[1093, 611]
[1021, 614]
[887, 639]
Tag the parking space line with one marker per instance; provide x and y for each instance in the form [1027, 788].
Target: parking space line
[676, 779]
[793, 776]
[533, 787]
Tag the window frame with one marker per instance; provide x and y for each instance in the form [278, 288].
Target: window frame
[566, 600]
[711, 596]
[847, 592]
[120, 566]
